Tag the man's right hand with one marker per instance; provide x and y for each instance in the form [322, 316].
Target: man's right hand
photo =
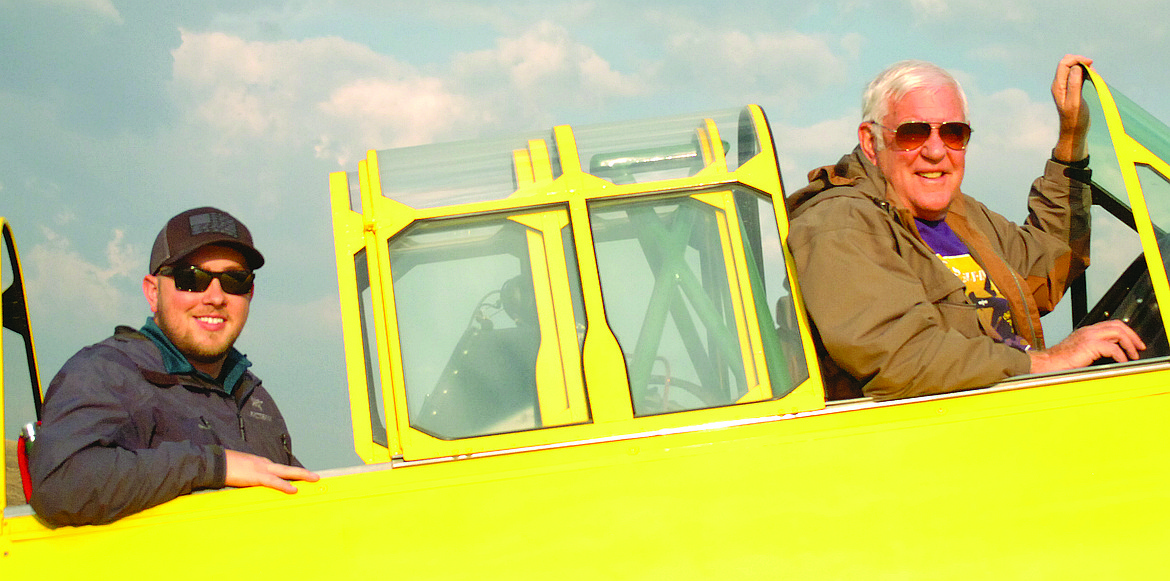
[251, 470]
[1112, 339]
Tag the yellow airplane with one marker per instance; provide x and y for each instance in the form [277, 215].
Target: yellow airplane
[582, 354]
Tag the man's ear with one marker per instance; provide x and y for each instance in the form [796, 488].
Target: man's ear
[868, 144]
[150, 291]
[868, 140]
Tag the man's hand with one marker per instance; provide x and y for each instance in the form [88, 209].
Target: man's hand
[250, 470]
[1112, 339]
[1074, 115]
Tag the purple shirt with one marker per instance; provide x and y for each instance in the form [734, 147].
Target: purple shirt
[994, 310]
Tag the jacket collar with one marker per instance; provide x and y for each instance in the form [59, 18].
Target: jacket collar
[175, 363]
[853, 169]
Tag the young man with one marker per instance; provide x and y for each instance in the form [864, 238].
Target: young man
[154, 413]
[916, 288]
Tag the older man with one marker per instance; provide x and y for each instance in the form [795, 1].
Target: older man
[916, 288]
[153, 413]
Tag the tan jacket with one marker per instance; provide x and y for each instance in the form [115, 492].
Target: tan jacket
[891, 315]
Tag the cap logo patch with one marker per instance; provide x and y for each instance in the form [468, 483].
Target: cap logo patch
[213, 223]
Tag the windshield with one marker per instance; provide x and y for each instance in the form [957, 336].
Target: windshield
[1149, 133]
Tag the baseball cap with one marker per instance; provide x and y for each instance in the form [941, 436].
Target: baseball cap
[199, 227]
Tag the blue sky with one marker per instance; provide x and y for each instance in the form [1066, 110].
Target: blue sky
[117, 115]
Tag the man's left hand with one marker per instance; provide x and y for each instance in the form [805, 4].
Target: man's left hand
[1074, 115]
[1105, 340]
[250, 470]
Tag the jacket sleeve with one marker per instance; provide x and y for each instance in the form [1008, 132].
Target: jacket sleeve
[1051, 248]
[874, 315]
[92, 464]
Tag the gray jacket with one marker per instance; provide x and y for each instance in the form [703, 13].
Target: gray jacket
[120, 434]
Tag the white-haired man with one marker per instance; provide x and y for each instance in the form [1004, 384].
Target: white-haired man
[916, 288]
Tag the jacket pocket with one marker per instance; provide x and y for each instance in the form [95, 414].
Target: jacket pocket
[949, 295]
[174, 427]
[960, 316]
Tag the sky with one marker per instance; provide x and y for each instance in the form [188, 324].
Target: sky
[117, 115]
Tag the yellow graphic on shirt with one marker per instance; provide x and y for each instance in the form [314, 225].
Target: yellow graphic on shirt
[993, 309]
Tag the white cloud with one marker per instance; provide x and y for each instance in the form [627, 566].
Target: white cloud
[64, 216]
[1013, 122]
[929, 8]
[102, 8]
[1003, 11]
[853, 44]
[326, 95]
[996, 52]
[337, 98]
[787, 68]
[388, 113]
[122, 258]
[91, 297]
[334, 99]
[526, 75]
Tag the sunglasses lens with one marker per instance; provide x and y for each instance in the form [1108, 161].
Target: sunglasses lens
[191, 280]
[196, 280]
[954, 135]
[911, 135]
[236, 282]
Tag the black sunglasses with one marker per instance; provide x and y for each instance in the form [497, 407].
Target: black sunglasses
[193, 279]
[912, 134]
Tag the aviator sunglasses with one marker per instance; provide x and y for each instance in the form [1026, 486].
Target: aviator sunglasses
[193, 279]
[912, 134]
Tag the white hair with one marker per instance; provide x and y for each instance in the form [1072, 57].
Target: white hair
[898, 80]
